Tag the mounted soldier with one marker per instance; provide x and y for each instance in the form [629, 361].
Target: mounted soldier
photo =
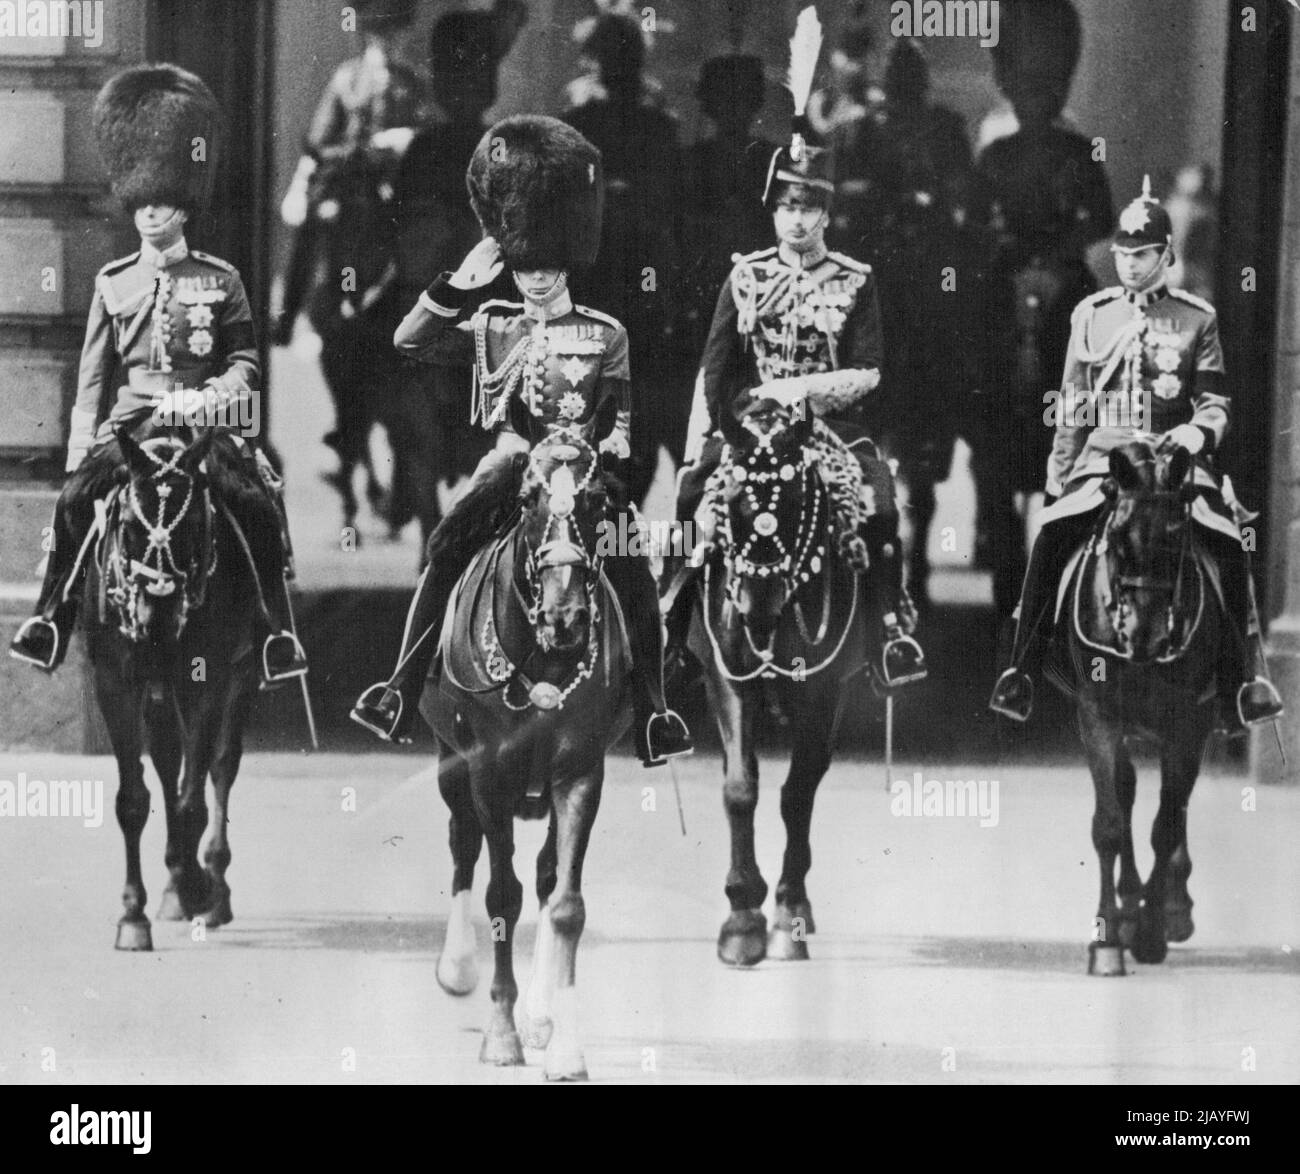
[169, 338]
[536, 187]
[799, 325]
[1143, 359]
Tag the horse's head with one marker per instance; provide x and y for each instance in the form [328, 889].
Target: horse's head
[772, 514]
[564, 506]
[160, 538]
[1147, 545]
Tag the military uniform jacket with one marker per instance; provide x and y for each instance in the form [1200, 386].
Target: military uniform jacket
[160, 322]
[1136, 361]
[560, 368]
[817, 328]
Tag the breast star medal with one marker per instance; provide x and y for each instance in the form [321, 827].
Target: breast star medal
[574, 370]
[572, 405]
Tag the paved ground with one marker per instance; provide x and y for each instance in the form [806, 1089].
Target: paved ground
[935, 934]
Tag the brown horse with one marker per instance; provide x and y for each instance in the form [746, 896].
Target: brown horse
[779, 609]
[529, 692]
[1141, 628]
[170, 607]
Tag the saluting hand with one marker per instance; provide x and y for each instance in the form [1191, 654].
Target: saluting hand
[481, 265]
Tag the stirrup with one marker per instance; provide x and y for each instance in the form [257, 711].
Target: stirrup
[677, 735]
[912, 650]
[369, 711]
[1013, 695]
[1273, 710]
[297, 664]
[30, 625]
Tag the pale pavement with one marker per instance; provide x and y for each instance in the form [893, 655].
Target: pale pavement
[934, 934]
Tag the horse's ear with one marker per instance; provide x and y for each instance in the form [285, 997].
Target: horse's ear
[198, 451]
[1180, 465]
[137, 460]
[1123, 470]
[733, 431]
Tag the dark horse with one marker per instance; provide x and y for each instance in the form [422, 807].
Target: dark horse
[528, 694]
[353, 309]
[169, 611]
[779, 607]
[1140, 627]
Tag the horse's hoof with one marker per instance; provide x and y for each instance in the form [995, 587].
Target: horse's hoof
[1178, 925]
[1127, 931]
[785, 946]
[457, 976]
[743, 940]
[133, 935]
[1106, 961]
[571, 1068]
[170, 907]
[802, 911]
[218, 915]
[1149, 948]
[502, 1049]
[537, 1032]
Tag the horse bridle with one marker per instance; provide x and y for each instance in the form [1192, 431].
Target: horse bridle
[1119, 584]
[561, 545]
[158, 571]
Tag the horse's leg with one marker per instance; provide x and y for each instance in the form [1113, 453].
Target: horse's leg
[1180, 763]
[743, 938]
[1178, 901]
[201, 713]
[166, 750]
[457, 969]
[121, 705]
[1130, 880]
[505, 898]
[809, 760]
[574, 805]
[537, 1024]
[1107, 758]
[227, 754]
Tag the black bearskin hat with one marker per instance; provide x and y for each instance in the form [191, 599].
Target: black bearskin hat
[148, 121]
[536, 185]
[736, 78]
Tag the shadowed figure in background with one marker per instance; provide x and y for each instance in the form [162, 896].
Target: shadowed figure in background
[1047, 200]
[905, 176]
[340, 204]
[722, 213]
[634, 275]
[425, 414]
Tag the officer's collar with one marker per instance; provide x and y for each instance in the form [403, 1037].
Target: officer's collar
[1141, 299]
[164, 258]
[802, 261]
[557, 307]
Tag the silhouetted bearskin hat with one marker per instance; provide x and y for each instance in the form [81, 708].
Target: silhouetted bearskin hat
[1043, 37]
[536, 185]
[468, 42]
[158, 128]
[737, 78]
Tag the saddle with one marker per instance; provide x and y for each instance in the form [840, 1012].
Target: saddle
[472, 656]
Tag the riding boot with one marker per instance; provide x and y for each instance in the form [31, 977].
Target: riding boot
[901, 661]
[658, 732]
[43, 638]
[1246, 696]
[388, 709]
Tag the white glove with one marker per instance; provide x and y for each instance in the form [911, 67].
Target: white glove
[293, 209]
[395, 139]
[1186, 436]
[616, 443]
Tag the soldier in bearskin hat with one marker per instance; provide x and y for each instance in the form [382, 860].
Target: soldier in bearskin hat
[170, 333]
[1141, 346]
[536, 186]
[801, 323]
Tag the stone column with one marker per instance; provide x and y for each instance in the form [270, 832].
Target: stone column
[55, 233]
[1283, 642]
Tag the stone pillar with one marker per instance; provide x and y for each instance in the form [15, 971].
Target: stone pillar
[55, 233]
[1283, 642]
